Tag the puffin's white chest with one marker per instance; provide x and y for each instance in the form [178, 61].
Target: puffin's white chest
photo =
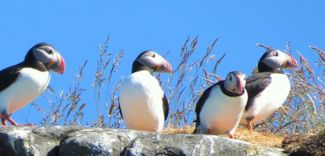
[141, 102]
[270, 99]
[222, 113]
[30, 84]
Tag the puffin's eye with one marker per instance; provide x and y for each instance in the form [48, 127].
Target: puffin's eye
[230, 78]
[153, 55]
[276, 53]
[50, 51]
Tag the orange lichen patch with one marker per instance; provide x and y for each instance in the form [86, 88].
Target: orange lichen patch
[260, 138]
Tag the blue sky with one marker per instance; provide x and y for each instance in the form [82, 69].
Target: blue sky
[77, 27]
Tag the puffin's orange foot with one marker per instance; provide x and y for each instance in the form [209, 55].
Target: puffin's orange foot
[9, 119]
[3, 121]
[250, 124]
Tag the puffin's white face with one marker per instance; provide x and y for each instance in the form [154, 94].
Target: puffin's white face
[50, 57]
[235, 82]
[278, 59]
[155, 62]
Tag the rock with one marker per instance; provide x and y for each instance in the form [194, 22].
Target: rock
[71, 141]
[305, 145]
[30, 141]
[94, 142]
[180, 144]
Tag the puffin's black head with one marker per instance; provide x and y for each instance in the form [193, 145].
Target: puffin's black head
[276, 60]
[235, 82]
[151, 61]
[48, 55]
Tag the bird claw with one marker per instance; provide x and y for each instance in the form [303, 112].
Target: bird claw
[233, 136]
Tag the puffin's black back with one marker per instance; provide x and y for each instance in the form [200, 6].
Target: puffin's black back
[201, 102]
[8, 76]
[165, 106]
[255, 84]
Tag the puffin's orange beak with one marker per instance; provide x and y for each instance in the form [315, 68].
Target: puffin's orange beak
[240, 86]
[164, 67]
[291, 62]
[168, 67]
[61, 66]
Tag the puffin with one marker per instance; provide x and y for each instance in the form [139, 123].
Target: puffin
[20, 84]
[268, 87]
[221, 106]
[143, 104]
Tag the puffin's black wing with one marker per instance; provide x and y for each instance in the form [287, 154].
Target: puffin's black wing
[201, 102]
[255, 84]
[165, 106]
[8, 76]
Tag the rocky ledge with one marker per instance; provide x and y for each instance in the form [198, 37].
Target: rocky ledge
[80, 141]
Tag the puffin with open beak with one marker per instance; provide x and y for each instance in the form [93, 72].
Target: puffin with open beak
[22, 83]
[143, 104]
[221, 106]
[268, 88]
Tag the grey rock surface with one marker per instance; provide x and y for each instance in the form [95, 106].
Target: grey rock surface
[81, 141]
